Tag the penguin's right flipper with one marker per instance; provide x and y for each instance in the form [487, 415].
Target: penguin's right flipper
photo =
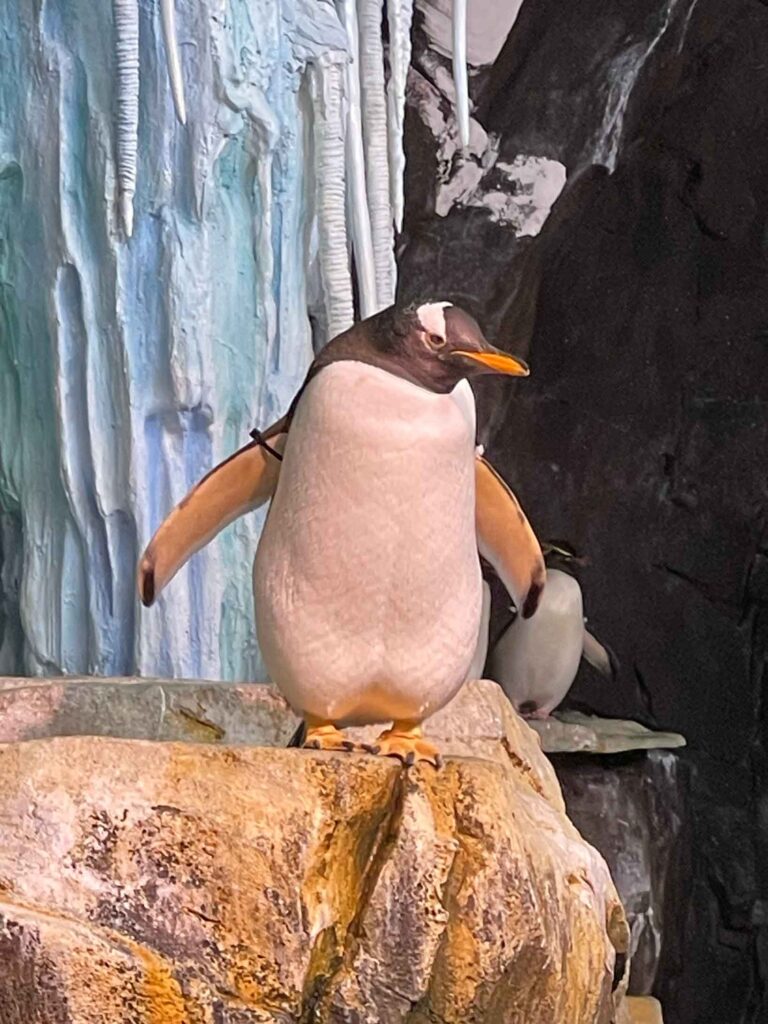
[600, 657]
[506, 540]
[239, 484]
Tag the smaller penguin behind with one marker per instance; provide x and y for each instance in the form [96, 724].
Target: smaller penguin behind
[535, 660]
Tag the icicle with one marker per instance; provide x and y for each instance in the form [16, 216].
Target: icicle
[328, 75]
[126, 13]
[362, 243]
[399, 16]
[168, 17]
[375, 141]
[460, 69]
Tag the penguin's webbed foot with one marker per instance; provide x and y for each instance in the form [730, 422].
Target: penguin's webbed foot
[325, 736]
[530, 710]
[405, 741]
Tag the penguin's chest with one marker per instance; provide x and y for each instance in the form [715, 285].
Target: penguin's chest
[367, 582]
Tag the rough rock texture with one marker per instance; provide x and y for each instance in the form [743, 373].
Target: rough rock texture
[150, 882]
[641, 434]
[479, 721]
[635, 809]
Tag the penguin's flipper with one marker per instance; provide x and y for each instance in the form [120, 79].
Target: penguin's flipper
[239, 484]
[506, 540]
[599, 656]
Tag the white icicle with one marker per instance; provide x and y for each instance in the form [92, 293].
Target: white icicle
[168, 18]
[327, 77]
[360, 220]
[126, 15]
[375, 140]
[399, 16]
[460, 69]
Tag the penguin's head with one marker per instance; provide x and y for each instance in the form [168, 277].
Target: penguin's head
[437, 344]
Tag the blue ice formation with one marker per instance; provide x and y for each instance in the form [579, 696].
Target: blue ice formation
[128, 366]
[163, 286]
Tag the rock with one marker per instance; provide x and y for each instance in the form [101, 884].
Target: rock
[176, 882]
[643, 1010]
[155, 709]
[481, 722]
[572, 731]
[635, 809]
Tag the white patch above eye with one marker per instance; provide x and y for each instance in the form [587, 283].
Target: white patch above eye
[432, 317]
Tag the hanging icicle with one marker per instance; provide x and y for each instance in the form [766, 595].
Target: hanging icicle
[360, 222]
[460, 82]
[374, 116]
[168, 18]
[126, 15]
[399, 17]
[328, 74]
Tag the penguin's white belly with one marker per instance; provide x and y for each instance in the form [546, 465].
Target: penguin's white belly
[536, 659]
[367, 580]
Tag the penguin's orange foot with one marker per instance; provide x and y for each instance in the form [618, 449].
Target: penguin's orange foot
[325, 736]
[405, 741]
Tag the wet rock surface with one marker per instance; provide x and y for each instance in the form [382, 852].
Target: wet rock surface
[641, 435]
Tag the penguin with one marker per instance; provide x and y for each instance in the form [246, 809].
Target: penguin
[367, 581]
[535, 661]
[481, 648]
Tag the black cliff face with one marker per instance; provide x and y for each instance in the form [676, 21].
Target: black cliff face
[642, 435]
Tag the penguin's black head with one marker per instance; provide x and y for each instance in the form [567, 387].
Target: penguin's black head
[436, 344]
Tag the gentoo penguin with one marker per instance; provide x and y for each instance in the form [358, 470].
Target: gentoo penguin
[480, 656]
[367, 580]
[535, 661]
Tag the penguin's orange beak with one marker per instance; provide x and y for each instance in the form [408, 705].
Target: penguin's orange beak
[496, 361]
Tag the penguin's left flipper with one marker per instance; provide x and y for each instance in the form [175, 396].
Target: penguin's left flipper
[506, 540]
[600, 657]
[239, 484]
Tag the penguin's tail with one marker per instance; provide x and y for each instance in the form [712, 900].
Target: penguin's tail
[600, 656]
[298, 738]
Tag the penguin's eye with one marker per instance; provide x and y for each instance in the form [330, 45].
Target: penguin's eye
[435, 341]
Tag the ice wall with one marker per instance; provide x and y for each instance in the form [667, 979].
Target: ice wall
[128, 366]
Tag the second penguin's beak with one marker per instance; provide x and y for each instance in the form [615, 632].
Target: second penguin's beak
[493, 360]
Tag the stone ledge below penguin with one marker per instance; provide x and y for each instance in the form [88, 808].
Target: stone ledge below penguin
[242, 883]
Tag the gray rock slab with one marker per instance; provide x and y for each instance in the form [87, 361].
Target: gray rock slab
[573, 732]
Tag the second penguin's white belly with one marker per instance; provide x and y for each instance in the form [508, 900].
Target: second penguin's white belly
[367, 579]
[537, 659]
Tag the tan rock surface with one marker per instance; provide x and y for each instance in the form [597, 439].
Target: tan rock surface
[643, 1010]
[169, 882]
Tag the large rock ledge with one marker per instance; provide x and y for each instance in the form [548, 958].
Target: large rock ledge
[166, 883]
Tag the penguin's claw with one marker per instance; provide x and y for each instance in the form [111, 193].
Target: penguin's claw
[328, 737]
[407, 744]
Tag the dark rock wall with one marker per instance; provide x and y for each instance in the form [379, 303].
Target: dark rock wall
[642, 435]
[634, 808]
